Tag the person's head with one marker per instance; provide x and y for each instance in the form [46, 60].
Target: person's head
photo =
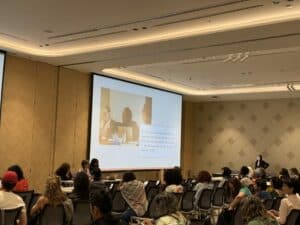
[85, 164]
[9, 180]
[226, 172]
[97, 174]
[261, 185]
[294, 172]
[164, 204]
[63, 170]
[94, 163]
[246, 182]
[290, 186]
[81, 182]
[244, 171]
[100, 204]
[128, 176]
[234, 185]
[106, 113]
[18, 170]
[277, 183]
[259, 157]
[284, 172]
[252, 207]
[53, 191]
[126, 115]
[173, 176]
[204, 177]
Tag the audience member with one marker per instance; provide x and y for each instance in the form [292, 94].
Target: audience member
[53, 196]
[64, 171]
[165, 210]
[226, 174]
[277, 187]
[94, 166]
[253, 212]
[85, 167]
[204, 182]
[294, 173]
[261, 190]
[97, 175]
[284, 173]
[22, 184]
[9, 200]
[239, 192]
[134, 194]
[173, 179]
[101, 206]
[291, 188]
[81, 187]
[260, 163]
[244, 171]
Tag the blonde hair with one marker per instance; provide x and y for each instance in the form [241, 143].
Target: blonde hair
[53, 191]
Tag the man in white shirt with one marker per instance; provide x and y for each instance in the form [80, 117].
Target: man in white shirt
[9, 200]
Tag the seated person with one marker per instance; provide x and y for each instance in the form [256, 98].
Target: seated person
[22, 184]
[64, 172]
[173, 179]
[128, 122]
[254, 213]
[133, 192]
[165, 210]
[239, 191]
[284, 173]
[276, 191]
[226, 174]
[291, 188]
[244, 172]
[294, 173]
[261, 190]
[9, 200]
[101, 206]
[108, 126]
[204, 182]
[94, 167]
[85, 167]
[81, 187]
[53, 196]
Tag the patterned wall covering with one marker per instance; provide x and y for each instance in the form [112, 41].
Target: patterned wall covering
[234, 133]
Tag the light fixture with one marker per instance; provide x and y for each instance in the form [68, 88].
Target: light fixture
[142, 78]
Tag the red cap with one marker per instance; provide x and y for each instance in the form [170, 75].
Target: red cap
[10, 177]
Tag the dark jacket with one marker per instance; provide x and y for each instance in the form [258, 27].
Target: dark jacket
[263, 164]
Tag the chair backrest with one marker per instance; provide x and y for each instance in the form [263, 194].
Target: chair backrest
[152, 192]
[293, 218]
[81, 214]
[118, 203]
[276, 203]
[52, 215]
[187, 202]
[9, 216]
[268, 203]
[150, 184]
[218, 197]
[205, 199]
[27, 198]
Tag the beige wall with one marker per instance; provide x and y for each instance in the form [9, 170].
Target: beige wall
[45, 119]
[234, 133]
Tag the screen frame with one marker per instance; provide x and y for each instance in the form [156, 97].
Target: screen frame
[135, 83]
[2, 84]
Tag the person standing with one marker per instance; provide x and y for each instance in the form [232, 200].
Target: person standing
[260, 163]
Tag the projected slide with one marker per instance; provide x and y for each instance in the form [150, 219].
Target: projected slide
[133, 126]
[2, 57]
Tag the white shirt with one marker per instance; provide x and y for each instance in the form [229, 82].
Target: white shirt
[286, 206]
[9, 200]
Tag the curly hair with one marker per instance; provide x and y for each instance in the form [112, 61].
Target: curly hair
[252, 207]
[204, 177]
[53, 191]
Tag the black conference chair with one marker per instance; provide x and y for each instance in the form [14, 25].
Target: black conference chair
[218, 197]
[268, 203]
[276, 203]
[187, 202]
[119, 204]
[52, 215]
[9, 216]
[152, 192]
[81, 214]
[204, 203]
[293, 218]
[27, 197]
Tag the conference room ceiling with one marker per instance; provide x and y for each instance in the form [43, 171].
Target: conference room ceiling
[202, 45]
